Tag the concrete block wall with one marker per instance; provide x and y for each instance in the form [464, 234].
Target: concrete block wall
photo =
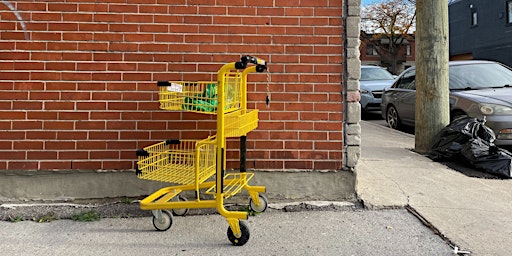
[78, 85]
[352, 62]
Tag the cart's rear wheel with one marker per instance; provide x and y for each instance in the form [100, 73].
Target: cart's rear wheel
[244, 237]
[164, 222]
[182, 211]
[263, 204]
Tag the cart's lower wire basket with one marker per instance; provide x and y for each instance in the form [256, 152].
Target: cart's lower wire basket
[178, 161]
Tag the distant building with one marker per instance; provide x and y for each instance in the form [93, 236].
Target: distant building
[370, 56]
[481, 29]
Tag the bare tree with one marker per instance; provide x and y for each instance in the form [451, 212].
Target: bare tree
[387, 24]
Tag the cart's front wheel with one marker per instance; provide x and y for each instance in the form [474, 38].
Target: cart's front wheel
[262, 205]
[182, 211]
[244, 236]
[162, 221]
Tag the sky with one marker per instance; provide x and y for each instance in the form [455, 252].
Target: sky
[365, 2]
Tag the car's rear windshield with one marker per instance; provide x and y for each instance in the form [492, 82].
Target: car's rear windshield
[368, 74]
[479, 76]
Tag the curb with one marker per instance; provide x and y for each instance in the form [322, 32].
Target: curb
[44, 212]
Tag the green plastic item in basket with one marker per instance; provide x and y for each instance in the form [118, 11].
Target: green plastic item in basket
[203, 102]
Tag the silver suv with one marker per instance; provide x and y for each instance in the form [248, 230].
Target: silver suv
[373, 81]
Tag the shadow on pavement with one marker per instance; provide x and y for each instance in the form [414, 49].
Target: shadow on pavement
[469, 171]
[465, 168]
[371, 116]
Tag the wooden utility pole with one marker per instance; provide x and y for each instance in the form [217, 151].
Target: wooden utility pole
[432, 94]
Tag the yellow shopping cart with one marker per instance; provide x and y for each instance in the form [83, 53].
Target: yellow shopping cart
[199, 165]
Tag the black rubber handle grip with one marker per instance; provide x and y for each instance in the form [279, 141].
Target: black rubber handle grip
[261, 65]
[142, 152]
[172, 142]
[163, 83]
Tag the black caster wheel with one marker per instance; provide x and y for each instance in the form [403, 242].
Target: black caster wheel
[244, 237]
[260, 208]
[162, 222]
[180, 212]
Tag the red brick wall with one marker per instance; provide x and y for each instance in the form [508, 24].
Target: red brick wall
[80, 93]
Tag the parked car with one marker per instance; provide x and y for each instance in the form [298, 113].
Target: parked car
[373, 80]
[477, 89]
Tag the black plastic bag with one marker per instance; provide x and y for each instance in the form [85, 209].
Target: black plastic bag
[488, 158]
[449, 142]
[485, 133]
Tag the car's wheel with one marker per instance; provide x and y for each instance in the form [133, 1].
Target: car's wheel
[392, 117]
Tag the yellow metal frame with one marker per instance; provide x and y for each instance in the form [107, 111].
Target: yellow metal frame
[227, 98]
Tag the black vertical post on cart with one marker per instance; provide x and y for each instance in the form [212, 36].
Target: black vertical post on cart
[243, 153]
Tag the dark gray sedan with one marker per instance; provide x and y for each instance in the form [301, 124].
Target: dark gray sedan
[477, 89]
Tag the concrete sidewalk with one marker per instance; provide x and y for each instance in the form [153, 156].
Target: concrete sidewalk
[473, 213]
[470, 213]
[322, 233]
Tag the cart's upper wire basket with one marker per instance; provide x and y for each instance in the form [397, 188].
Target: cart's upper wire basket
[201, 96]
[178, 161]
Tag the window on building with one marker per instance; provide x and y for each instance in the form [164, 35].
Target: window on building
[509, 12]
[474, 17]
[370, 50]
[408, 49]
